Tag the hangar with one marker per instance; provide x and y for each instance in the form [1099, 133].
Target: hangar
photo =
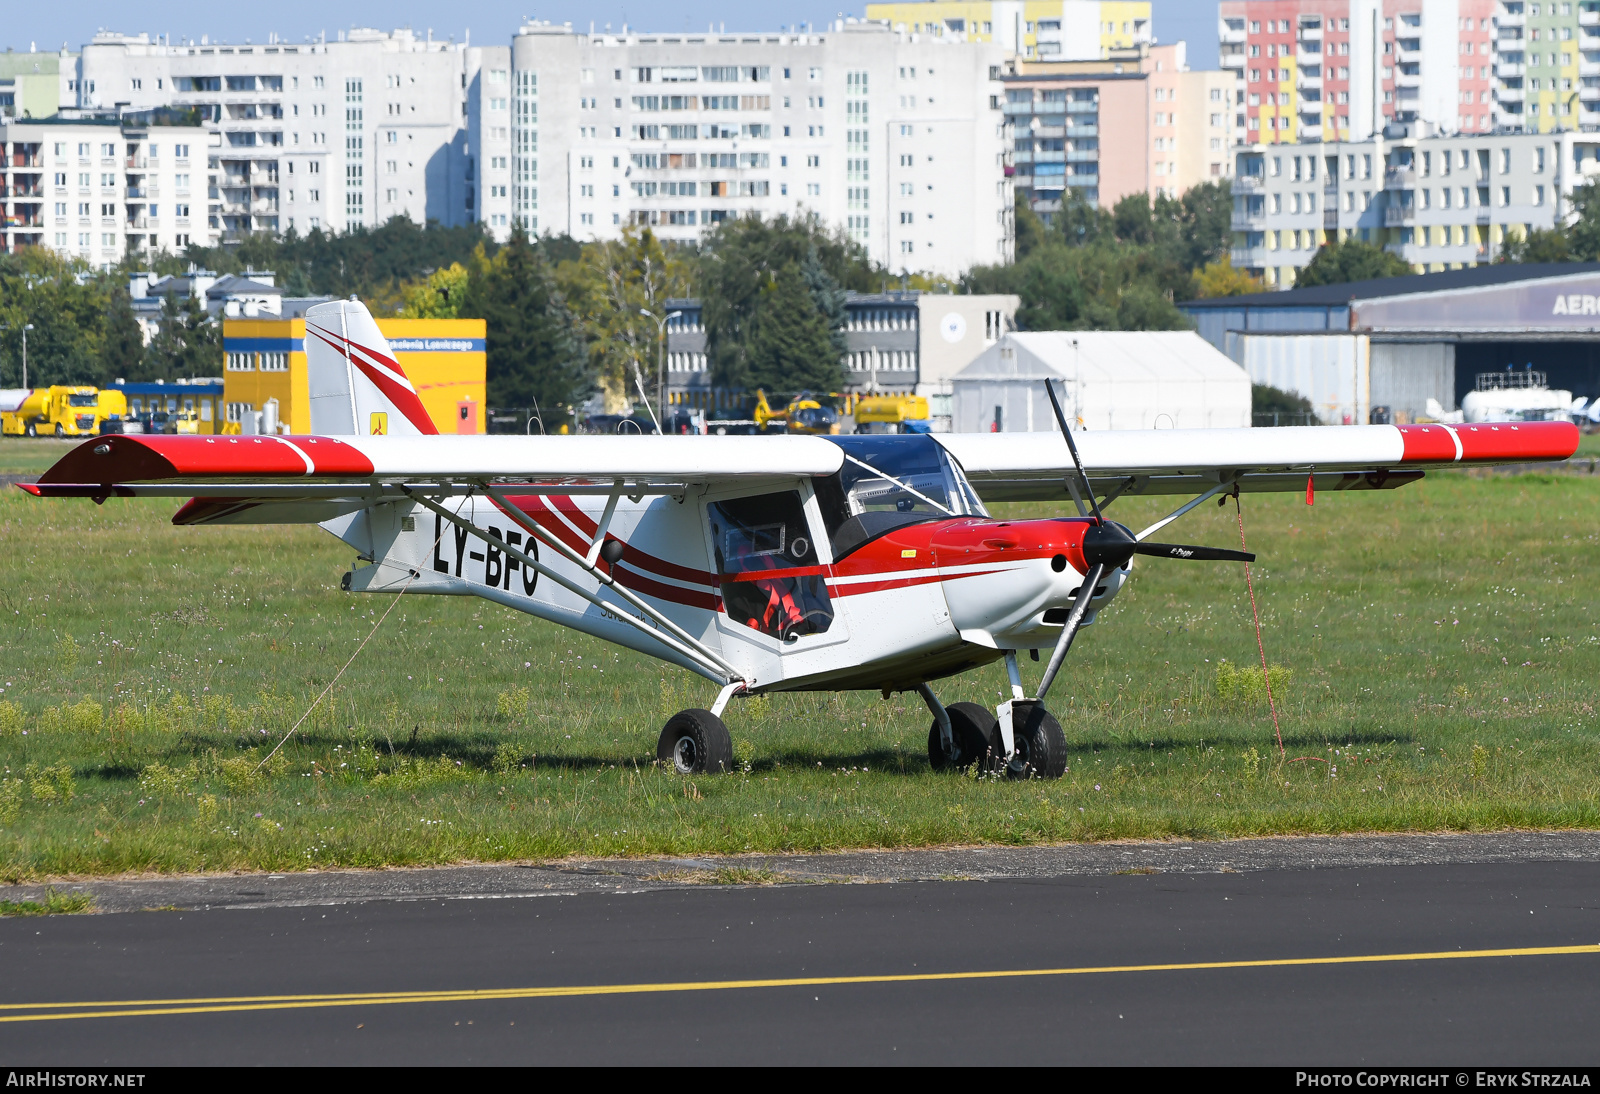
[1396, 342]
[1108, 380]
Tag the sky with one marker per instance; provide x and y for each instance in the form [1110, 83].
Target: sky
[48, 26]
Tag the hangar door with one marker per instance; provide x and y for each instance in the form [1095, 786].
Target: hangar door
[1405, 375]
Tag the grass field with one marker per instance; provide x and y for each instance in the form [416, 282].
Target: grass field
[1441, 641]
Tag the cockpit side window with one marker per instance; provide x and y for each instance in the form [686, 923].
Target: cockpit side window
[763, 550]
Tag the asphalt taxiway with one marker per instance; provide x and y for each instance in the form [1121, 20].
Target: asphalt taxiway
[1461, 951]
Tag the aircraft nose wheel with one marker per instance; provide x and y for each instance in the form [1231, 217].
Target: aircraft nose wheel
[696, 742]
[975, 739]
[1041, 746]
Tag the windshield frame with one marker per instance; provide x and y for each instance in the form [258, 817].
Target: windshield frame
[847, 530]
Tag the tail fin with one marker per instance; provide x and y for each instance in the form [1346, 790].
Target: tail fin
[356, 385]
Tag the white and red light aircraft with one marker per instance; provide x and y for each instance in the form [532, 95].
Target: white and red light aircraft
[761, 563]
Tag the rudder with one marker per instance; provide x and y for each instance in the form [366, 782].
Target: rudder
[356, 385]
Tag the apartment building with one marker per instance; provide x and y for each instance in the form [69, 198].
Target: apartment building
[1066, 30]
[1343, 69]
[99, 188]
[1547, 64]
[1439, 202]
[897, 137]
[323, 134]
[1165, 127]
[31, 83]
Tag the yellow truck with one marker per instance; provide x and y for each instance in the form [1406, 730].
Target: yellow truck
[892, 414]
[64, 410]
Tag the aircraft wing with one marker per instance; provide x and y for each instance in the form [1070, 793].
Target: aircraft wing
[302, 479]
[1032, 466]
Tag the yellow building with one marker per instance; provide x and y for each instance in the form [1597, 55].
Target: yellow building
[1068, 30]
[265, 360]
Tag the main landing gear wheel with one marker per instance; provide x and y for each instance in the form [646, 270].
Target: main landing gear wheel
[695, 742]
[1041, 747]
[974, 735]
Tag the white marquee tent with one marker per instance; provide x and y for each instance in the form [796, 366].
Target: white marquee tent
[1106, 380]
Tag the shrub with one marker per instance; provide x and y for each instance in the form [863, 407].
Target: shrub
[513, 703]
[50, 784]
[1248, 686]
[10, 800]
[161, 781]
[11, 718]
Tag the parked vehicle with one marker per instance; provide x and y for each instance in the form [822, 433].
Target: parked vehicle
[63, 410]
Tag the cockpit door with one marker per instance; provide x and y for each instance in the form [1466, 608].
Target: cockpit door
[775, 609]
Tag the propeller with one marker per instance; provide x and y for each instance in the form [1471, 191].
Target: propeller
[1107, 546]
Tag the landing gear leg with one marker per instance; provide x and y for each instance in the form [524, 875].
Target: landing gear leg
[1034, 745]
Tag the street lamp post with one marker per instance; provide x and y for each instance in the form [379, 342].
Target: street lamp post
[661, 359]
[25, 328]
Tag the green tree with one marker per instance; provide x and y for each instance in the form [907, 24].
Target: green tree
[1583, 235]
[1352, 260]
[534, 352]
[122, 344]
[1221, 279]
[828, 297]
[610, 286]
[738, 261]
[1029, 229]
[1540, 245]
[67, 303]
[1206, 222]
[437, 296]
[1265, 399]
[791, 348]
[187, 342]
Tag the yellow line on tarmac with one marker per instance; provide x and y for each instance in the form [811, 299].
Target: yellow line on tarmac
[44, 1012]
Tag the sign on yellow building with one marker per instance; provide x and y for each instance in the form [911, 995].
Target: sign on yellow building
[265, 360]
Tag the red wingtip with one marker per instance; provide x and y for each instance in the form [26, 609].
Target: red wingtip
[30, 487]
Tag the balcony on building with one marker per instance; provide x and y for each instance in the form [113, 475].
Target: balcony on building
[1506, 19]
[1232, 58]
[1589, 65]
[1510, 95]
[1312, 79]
[1508, 70]
[1395, 216]
[1410, 80]
[1231, 31]
[1402, 177]
[1310, 29]
[1311, 130]
[1247, 184]
[1588, 16]
[1408, 51]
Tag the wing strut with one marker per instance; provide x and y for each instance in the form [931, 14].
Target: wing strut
[532, 527]
[690, 647]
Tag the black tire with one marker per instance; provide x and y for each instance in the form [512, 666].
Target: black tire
[1041, 745]
[975, 734]
[695, 742]
[32, 429]
[60, 432]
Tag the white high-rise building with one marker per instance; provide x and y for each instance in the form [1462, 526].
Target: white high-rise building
[329, 135]
[895, 137]
[100, 188]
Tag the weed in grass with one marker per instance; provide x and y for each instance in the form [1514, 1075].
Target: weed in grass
[54, 903]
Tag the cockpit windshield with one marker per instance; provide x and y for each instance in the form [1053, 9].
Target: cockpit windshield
[889, 481]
